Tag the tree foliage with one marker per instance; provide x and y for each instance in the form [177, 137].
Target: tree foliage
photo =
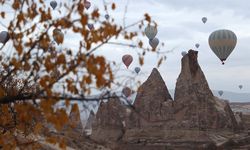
[39, 69]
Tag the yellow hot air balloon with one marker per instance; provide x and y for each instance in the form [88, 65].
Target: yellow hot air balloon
[222, 42]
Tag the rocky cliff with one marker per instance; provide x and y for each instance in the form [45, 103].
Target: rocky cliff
[109, 123]
[192, 119]
[153, 105]
[194, 103]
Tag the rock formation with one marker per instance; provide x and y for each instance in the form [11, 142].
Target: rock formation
[194, 104]
[153, 104]
[110, 121]
[190, 121]
[88, 127]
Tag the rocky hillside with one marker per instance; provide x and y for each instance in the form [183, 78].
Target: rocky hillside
[194, 119]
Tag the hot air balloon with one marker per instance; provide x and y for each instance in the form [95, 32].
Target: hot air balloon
[90, 26]
[137, 69]
[126, 91]
[204, 19]
[106, 16]
[58, 36]
[222, 42]
[150, 32]
[53, 4]
[183, 53]
[87, 4]
[154, 42]
[220, 92]
[127, 59]
[197, 45]
[4, 37]
[240, 86]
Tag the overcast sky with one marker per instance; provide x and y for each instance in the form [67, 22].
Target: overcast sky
[180, 27]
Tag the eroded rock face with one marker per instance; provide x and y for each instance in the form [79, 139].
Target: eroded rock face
[195, 106]
[153, 104]
[88, 127]
[109, 123]
[190, 119]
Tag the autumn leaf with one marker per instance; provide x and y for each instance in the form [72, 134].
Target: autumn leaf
[3, 14]
[141, 60]
[113, 6]
[147, 17]
[159, 62]
[61, 59]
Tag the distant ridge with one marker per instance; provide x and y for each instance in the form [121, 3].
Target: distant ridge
[231, 96]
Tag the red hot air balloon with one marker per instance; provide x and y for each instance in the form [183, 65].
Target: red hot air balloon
[127, 59]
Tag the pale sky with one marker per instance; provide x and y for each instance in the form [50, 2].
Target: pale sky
[180, 26]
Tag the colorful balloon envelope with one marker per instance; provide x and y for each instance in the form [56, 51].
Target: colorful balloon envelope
[87, 4]
[204, 19]
[4, 37]
[127, 59]
[220, 92]
[53, 4]
[90, 26]
[137, 69]
[106, 16]
[58, 36]
[222, 42]
[154, 42]
[126, 91]
[150, 32]
[197, 45]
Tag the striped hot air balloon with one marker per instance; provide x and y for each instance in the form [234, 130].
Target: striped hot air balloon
[154, 42]
[150, 32]
[222, 42]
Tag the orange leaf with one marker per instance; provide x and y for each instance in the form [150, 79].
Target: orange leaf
[3, 14]
[160, 62]
[113, 6]
[141, 61]
[61, 59]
